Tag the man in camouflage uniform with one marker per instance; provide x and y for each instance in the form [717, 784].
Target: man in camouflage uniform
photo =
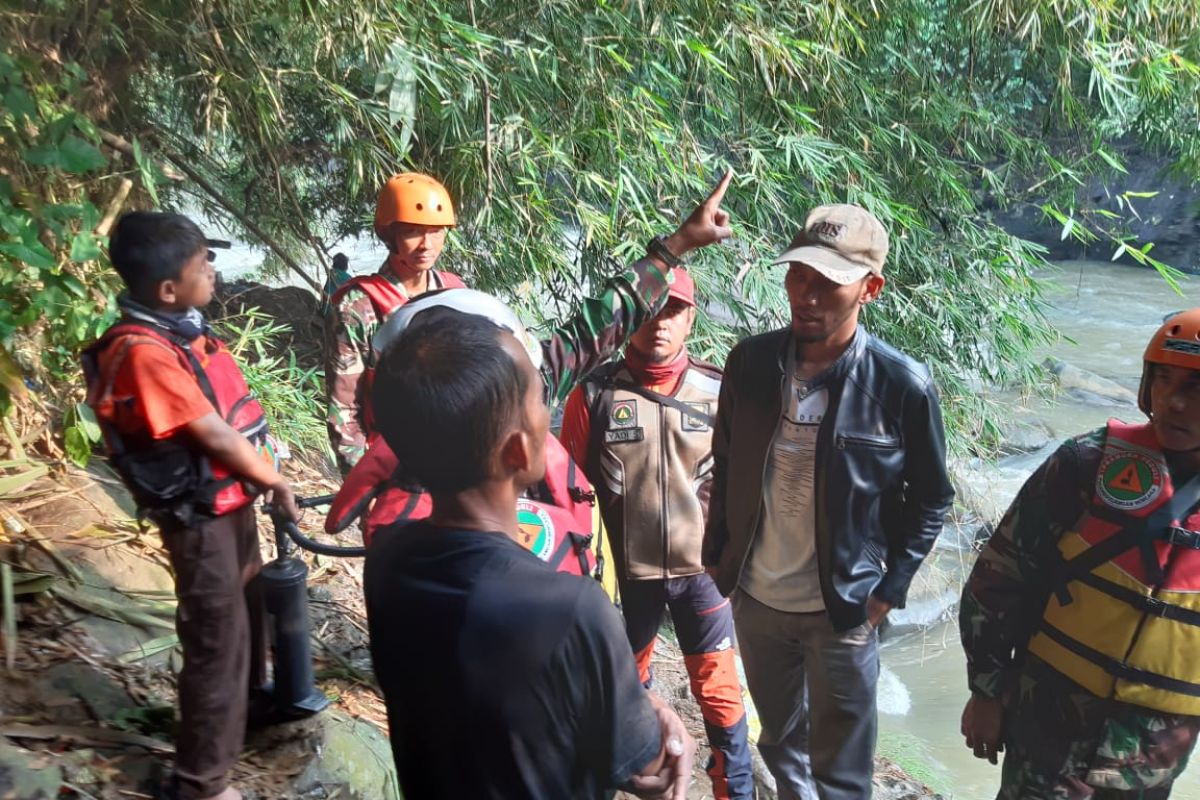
[574, 349]
[411, 217]
[1063, 741]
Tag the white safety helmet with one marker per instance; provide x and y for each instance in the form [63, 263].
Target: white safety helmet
[467, 301]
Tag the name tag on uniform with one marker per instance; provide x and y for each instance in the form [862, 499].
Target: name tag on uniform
[624, 435]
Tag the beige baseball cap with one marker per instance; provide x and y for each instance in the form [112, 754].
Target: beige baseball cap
[842, 242]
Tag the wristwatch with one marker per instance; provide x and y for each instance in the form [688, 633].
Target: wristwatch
[657, 247]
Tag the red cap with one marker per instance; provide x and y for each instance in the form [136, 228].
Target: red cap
[682, 287]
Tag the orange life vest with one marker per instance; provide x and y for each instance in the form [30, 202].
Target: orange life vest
[556, 522]
[385, 297]
[167, 475]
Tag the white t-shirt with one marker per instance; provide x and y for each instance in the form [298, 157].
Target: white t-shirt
[782, 569]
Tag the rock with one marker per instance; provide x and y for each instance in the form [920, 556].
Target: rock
[104, 698]
[352, 756]
[765, 787]
[28, 775]
[893, 783]
[1089, 387]
[1025, 437]
[71, 522]
[1170, 219]
[890, 782]
[933, 594]
[986, 489]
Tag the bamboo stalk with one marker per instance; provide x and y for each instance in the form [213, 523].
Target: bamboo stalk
[14, 440]
[10, 615]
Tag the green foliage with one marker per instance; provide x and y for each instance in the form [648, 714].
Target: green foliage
[81, 433]
[290, 396]
[52, 290]
[569, 132]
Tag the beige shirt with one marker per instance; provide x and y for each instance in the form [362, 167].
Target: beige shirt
[782, 569]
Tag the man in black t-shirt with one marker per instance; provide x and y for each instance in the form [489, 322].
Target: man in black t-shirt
[503, 678]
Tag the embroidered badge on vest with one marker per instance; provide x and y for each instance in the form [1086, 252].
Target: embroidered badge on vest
[624, 414]
[1129, 481]
[536, 529]
[696, 423]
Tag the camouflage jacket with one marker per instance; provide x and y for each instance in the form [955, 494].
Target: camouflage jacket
[349, 326]
[572, 351]
[1127, 747]
[601, 326]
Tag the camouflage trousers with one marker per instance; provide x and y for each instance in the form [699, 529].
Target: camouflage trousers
[1063, 743]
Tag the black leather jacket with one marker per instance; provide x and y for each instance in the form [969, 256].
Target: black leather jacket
[881, 490]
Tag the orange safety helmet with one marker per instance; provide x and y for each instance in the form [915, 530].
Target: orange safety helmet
[1177, 344]
[414, 198]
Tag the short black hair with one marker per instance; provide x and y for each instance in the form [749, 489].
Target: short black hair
[444, 394]
[149, 247]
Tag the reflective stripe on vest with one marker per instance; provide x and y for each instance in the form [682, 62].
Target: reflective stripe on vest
[1128, 628]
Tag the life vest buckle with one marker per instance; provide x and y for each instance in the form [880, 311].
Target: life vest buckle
[582, 495]
[1182, 537]
[1155, 607]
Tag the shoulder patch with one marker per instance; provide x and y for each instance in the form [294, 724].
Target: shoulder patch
[1129, 481]
[536, 529]
[623, 414]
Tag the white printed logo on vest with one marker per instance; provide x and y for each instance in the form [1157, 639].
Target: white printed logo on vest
[696, 423]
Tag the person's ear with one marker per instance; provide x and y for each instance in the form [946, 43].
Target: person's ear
[166, 292]
[871, 290]
[516, 452]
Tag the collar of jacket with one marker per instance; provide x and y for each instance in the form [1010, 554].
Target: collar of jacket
[186, 324]
[838, 370]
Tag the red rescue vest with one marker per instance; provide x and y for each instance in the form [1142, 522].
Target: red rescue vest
[555, 524]
[168, 475]
[1124, 618]
[385, 298]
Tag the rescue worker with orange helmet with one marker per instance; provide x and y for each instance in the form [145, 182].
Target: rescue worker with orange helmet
[1081, 617]
[412, 215]
[574, 349]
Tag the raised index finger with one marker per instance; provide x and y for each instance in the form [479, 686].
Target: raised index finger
[718, 193]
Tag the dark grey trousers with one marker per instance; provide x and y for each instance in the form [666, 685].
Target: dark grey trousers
[814, 689]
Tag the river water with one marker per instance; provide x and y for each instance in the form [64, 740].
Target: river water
[1110, 311]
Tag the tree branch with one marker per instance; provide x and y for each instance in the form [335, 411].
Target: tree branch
[117, 143]
[241, 217]
[114, 207]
